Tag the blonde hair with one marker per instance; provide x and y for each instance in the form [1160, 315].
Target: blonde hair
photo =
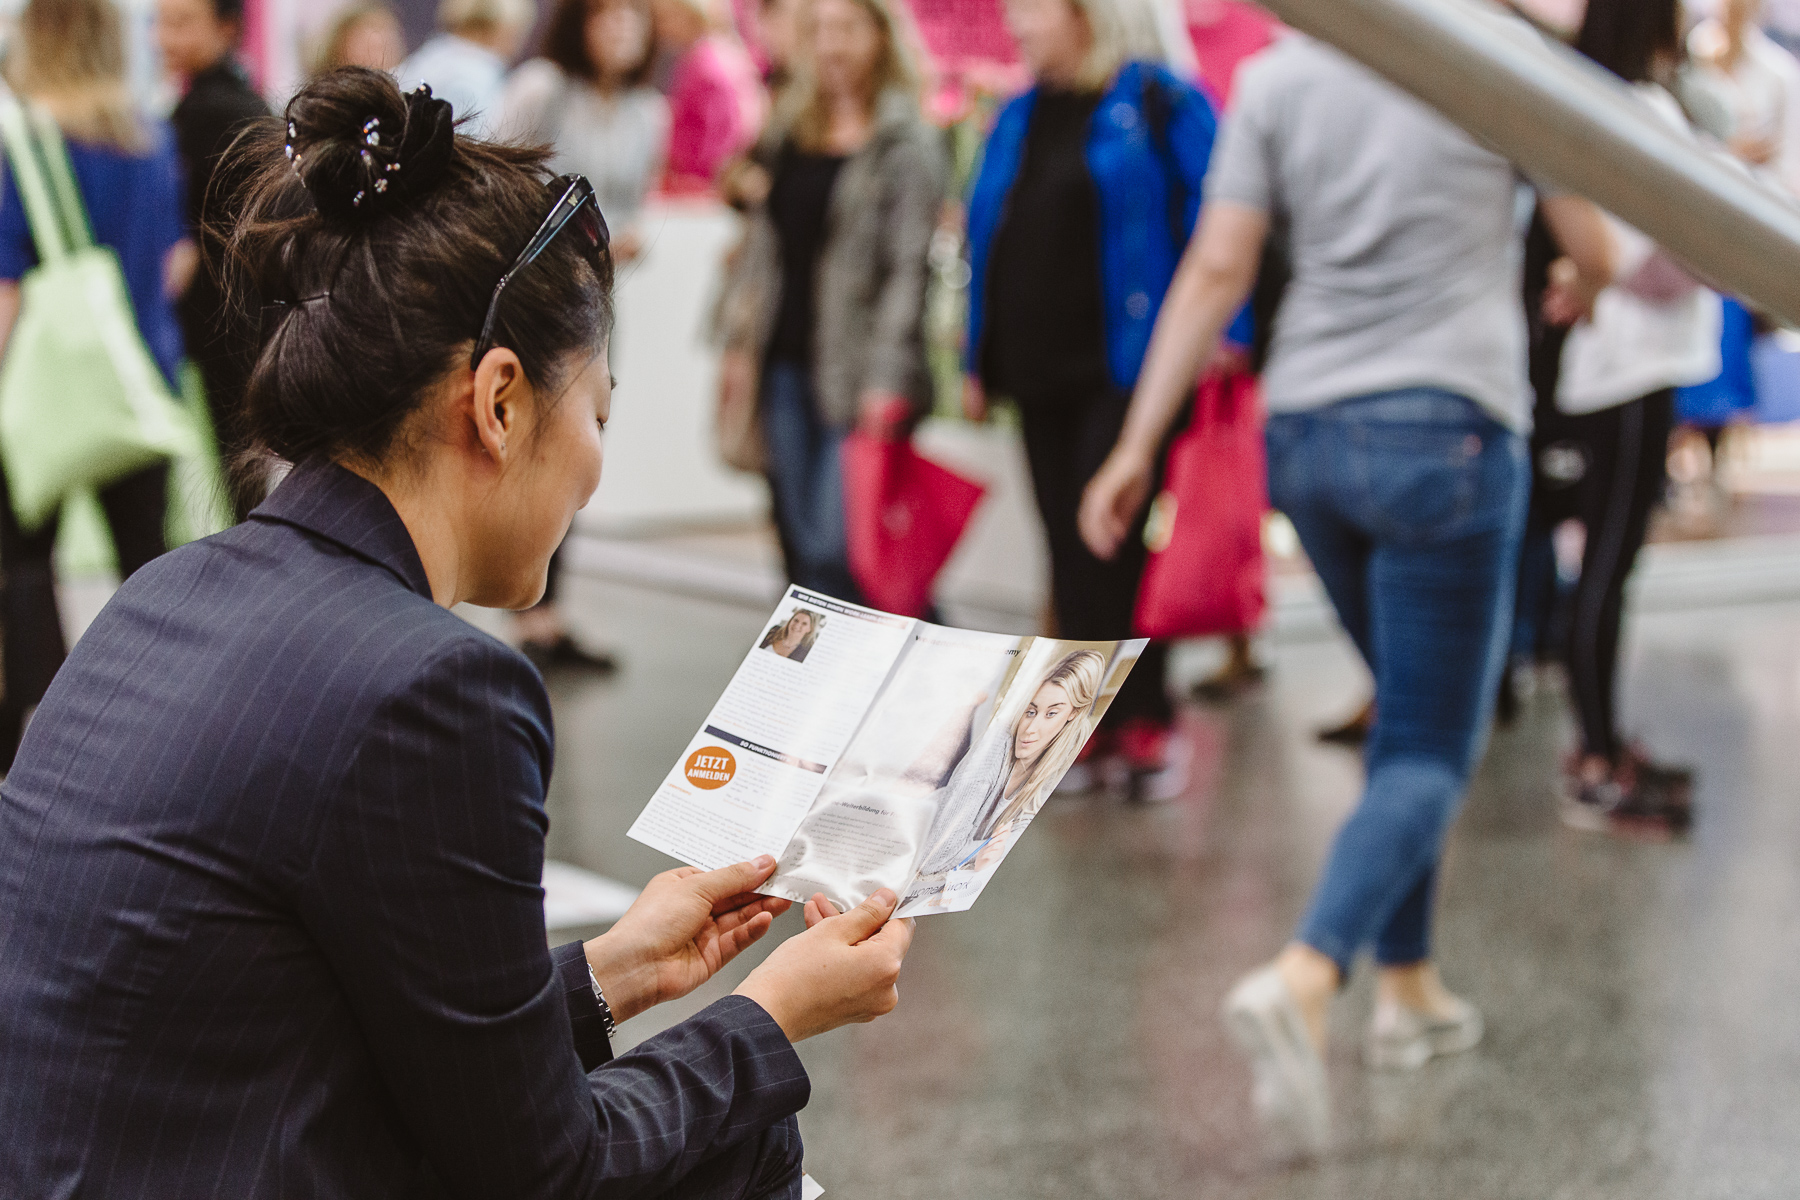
[330, 53]
[486, 14]
[1080, 674]
[70, 58]
[1116, 38]
[894, 72]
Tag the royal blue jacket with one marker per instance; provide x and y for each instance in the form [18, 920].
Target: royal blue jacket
[1132, 169]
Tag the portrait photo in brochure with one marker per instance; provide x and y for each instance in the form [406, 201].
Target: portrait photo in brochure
[793, 638]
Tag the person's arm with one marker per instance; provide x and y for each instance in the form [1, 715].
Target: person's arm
[917, 197]
[1211, 284]
[9, 311]
[1590, 257]
[18, 254]
[424, 893]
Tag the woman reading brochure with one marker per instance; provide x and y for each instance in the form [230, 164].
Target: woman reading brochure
[270, 913]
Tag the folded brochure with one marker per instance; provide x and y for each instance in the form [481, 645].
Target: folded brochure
[865, 750]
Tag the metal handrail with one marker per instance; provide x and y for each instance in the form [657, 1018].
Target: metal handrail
[1562, 119]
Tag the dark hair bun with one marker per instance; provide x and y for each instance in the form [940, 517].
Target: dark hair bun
[361, 148]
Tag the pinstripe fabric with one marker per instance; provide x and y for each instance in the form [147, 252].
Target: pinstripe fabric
[270, 919]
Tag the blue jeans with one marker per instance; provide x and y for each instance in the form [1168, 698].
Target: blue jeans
[1410, 504]
[806, 480]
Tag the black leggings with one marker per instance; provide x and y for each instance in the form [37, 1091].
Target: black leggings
[1066, 440]
[135, 508]
[1627, 451]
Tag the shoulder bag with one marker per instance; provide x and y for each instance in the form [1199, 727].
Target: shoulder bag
[82, 403]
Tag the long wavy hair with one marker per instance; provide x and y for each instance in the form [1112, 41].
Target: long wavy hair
[70, 58]
[1080, 674]
[895, 71]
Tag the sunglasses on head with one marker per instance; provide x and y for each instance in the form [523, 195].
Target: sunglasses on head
[576, 209]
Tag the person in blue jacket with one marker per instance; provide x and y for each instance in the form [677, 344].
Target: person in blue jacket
[1088, 189]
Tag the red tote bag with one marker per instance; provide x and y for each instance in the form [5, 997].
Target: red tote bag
[1205, 572]
[903, 515]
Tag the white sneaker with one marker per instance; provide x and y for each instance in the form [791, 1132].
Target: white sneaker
[1405, 1039]
[1160, 787]
[1290, 1093]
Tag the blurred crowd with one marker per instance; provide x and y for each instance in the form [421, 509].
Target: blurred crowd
[1465, 371]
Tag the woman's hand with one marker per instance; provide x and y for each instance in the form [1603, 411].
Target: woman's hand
[842, 970]
[975, 402]
[737, 378]
[1570, 296]
[683, 927]
[1114, 497]
[627, 245]
[884, 415]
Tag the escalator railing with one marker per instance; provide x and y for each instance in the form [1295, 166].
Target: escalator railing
[1562, 119]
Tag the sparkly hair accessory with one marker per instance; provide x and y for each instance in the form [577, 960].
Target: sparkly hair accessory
[378, 169]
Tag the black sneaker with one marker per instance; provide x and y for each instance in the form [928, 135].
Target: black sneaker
[1625, 804]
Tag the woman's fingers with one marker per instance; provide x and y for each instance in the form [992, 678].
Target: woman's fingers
[819, 909]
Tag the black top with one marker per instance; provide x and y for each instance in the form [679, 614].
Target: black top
[1046, 322]
[270, 913]
[799, 201]
[219, 102]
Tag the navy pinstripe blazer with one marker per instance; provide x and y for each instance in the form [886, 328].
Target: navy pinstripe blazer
[270, 917]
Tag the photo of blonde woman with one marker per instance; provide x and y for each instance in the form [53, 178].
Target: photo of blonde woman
[793, 638]
[1004, 779]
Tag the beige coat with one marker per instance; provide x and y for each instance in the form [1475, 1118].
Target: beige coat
[869, 291]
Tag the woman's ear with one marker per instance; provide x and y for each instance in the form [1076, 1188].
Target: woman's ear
[497, 402]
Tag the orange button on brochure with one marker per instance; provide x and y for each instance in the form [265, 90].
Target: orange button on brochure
[710, 767]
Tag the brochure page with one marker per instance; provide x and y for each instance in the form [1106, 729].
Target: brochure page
[750, 775]
[917, 772]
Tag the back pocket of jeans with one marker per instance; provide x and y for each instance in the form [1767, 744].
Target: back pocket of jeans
[1420, 483]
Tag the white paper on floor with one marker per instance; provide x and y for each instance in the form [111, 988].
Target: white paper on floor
[573, 897]
[809, 1188]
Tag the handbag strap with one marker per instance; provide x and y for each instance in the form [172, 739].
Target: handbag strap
[61, 173]
[46, 181]
[34, 192]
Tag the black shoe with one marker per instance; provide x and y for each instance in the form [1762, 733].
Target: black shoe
[1625, 804]
[1506, 705]
[565, 651]
[1229, 681]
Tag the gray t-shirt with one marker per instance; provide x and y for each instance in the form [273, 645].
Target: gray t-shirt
[1404, 235]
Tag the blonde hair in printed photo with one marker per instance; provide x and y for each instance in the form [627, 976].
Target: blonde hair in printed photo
[1081, 674]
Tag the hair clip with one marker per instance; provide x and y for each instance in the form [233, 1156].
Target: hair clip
[372, 131]
[380, 186]
[289, 305]
[356, 200]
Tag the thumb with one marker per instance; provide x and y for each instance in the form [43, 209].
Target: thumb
[866, 918]
[734, 880]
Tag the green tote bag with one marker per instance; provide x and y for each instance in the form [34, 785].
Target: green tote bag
[82, 402]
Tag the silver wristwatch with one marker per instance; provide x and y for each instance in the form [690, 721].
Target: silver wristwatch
[606, 1016]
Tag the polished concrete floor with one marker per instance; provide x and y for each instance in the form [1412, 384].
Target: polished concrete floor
[1060, 1040]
